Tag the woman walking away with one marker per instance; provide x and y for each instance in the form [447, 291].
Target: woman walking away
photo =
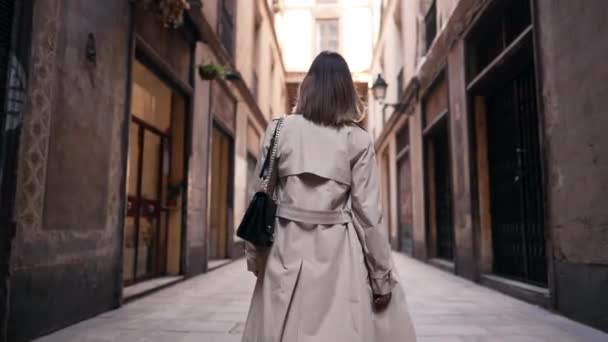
[328, 276]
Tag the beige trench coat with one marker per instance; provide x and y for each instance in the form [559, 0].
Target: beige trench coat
[315, 283]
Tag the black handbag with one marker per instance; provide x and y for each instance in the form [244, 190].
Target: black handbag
[257, 225]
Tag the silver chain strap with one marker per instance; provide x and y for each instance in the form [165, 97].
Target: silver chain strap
[273, 154]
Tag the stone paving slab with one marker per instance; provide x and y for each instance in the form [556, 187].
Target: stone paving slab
[213, 308]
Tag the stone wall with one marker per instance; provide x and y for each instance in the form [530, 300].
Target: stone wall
[198, 174]
[464, 253]
[67, 249]
[572, 44]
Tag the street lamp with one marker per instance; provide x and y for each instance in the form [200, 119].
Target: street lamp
[379, 88]
[379, 93]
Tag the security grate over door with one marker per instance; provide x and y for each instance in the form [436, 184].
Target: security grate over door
[515, 180]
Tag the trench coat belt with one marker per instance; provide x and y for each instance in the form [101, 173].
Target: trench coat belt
[294, 213]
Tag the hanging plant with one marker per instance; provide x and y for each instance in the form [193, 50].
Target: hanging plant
[170, 12]
[210, 71]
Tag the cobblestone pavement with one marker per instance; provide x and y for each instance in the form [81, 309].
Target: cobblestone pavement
[213, 308]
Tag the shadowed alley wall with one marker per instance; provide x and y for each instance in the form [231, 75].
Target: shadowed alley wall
[66, 259]
[575, 97]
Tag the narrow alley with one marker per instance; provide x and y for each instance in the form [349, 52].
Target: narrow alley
[133, 134]
[445, 308]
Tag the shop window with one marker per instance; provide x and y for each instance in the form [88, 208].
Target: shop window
[155, 178]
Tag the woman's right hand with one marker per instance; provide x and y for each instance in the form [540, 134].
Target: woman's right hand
[381, 302]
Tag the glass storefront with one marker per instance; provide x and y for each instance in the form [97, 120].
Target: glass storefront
[154, 178]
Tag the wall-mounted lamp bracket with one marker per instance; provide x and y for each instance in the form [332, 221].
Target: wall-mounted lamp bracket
[91, 49]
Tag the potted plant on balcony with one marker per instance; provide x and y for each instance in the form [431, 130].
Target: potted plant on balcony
[210, 71]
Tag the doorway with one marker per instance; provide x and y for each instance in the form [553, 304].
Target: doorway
[385, 174]
[404, 194]
[502, 84]
[440, 230]
[155, 179]
[439, 190]
[515, 180]
[221, 204]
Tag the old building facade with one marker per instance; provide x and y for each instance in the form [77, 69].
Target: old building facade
[308, 27]
[489, 141]
[130, 163]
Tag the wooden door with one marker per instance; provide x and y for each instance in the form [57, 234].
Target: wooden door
[220, 203]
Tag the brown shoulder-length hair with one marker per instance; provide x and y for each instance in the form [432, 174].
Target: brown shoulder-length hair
[327, 95]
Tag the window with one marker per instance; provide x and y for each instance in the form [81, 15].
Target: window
[430, 23]
[254, 88]
[327, 1]
[271, 54]
[226, 23]
[328, 35]
[400, 82]
[155, 177]
[255, 53]
[495, 34]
